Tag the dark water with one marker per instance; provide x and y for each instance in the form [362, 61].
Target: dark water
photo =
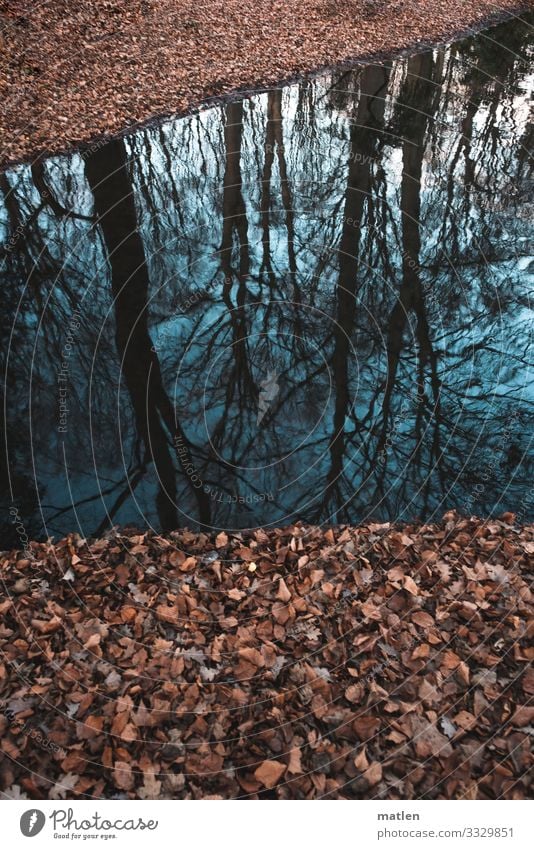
[311, 304]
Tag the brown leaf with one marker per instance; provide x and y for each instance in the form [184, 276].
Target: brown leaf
[221, 540]
[151, 788]
[450, 660]
[283, 593]
[366, 726]
[410, 585]
[527, 681]
[252, 655]
[123, 775]
[523, 715]
[48, 626]
[90, 727]
[269, 773]
[294, 766]
[427, 740]
[354, 693]
[424, 620]
[465, 720]
[129, 733]
[235, 594]
[373, 774]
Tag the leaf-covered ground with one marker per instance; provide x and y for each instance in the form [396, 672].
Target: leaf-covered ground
[70, 72]
[380, 661]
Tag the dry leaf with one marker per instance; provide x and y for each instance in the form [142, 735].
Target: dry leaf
[269, 773]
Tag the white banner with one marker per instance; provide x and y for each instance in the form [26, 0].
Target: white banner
[268, 824]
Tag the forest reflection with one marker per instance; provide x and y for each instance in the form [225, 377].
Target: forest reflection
[311, 304]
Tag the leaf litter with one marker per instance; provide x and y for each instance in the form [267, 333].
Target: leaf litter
[354, 662]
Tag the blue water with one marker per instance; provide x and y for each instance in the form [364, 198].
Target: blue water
[311, 304]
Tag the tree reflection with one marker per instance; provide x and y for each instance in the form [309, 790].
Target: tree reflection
[311, 304]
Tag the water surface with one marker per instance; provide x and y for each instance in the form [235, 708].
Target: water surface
[314, 303]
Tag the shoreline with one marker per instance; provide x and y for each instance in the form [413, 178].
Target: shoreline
[104, 113]
[31, 548]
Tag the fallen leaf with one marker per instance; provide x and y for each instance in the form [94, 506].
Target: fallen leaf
[269, 773]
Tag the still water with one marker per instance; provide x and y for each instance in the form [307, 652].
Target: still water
[314, 303]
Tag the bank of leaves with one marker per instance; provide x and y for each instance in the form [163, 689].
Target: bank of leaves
[297, 663]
